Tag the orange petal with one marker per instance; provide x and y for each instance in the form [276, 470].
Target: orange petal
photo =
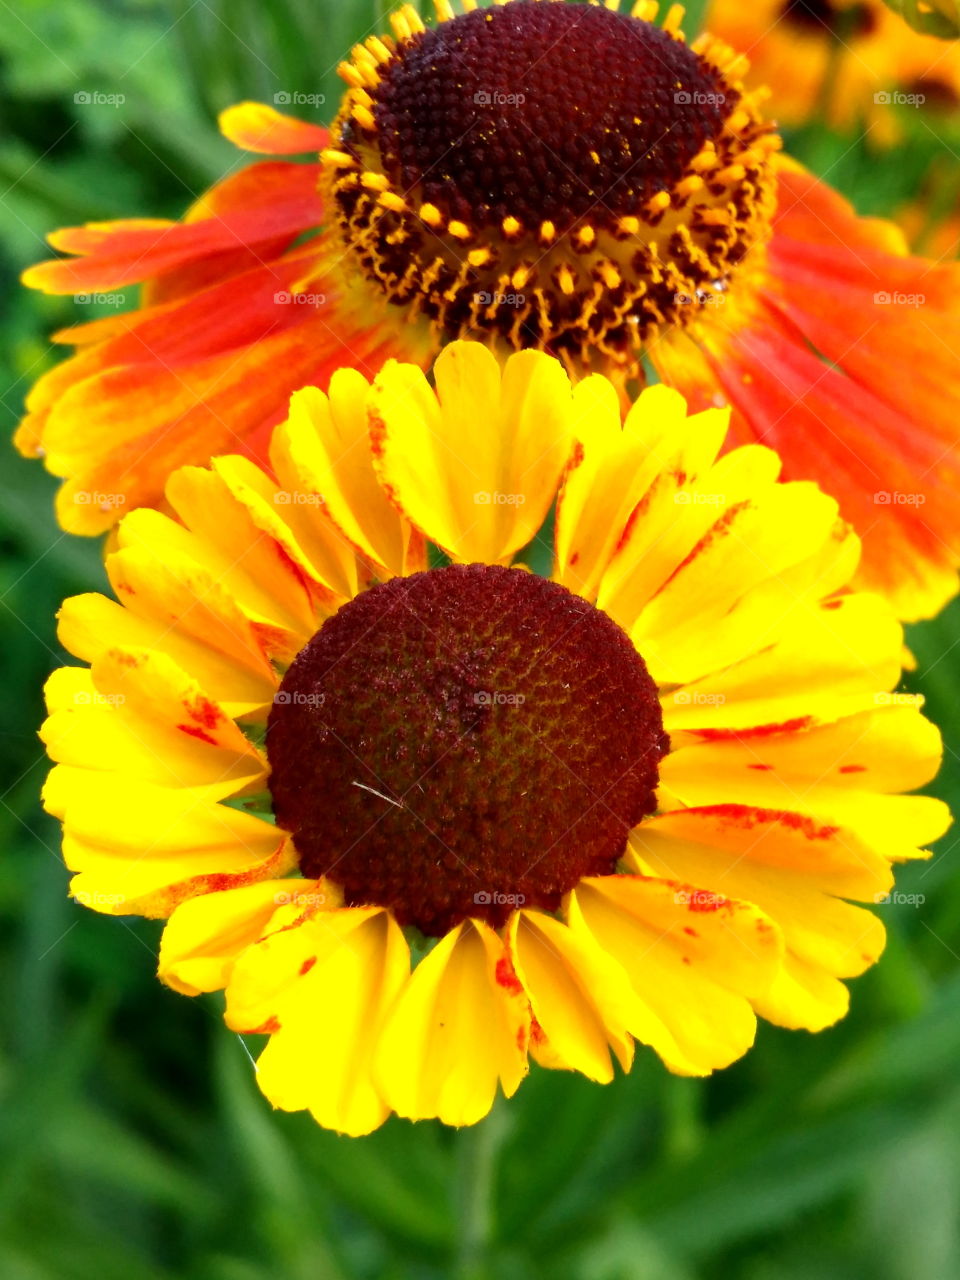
[265, 201]
[118, 434]
[875, 426]
[254, 126]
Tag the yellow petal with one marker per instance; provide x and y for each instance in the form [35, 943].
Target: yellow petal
[89, 624]
[224, 539]
[204, 936]
[324, 464]
[803, 997]
[141, 849]
[838, 655]
[321, 988]
[795, 870]
[162, 587]
[136, 713]
[268, 512]
[693, 964]
[579, 997]
[750, 543]
[839, 774]
[684, 502]
[256, 127]
[613, 469]
[459, 1028]
[476, 466]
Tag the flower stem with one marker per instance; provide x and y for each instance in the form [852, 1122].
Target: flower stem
[479, 1147]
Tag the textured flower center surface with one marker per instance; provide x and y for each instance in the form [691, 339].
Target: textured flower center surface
[498, 114]
[558, 175]
[464, 741]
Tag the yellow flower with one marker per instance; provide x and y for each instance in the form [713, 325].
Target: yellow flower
[624, 804]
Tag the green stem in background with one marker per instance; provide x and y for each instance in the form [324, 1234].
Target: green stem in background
[821, 110]
[840, 37]
[683, 1128]
[479, 1148]
[942, 185]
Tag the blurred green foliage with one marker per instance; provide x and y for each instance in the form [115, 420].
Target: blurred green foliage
[932, 17]
[133, 1142]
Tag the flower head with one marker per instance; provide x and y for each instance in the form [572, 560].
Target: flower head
[535, 175]
[478, 181]
[425, 824]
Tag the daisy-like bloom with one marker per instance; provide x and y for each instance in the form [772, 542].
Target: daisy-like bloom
[537, 174]
[853, 62]
[424, 824]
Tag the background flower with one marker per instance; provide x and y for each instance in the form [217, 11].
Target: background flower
[856, 61]
[572, 178]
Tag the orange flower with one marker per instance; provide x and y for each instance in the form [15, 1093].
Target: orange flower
[547, 175]
[853, 61]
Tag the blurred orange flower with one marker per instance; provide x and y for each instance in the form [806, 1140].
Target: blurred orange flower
[854, 61]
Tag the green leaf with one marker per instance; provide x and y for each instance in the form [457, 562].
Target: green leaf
[932, 17]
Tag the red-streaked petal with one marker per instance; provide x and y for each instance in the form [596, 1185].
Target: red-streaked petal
[232, 314]
[875, 427]
[121, 432]
[266, 201]
[893, 479]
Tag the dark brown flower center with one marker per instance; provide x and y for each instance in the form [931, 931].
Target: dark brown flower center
[544, 111]
[462, 742]
[552, 175]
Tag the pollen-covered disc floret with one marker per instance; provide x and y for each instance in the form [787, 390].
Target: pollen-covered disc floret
[464, 741]
[555, 175]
